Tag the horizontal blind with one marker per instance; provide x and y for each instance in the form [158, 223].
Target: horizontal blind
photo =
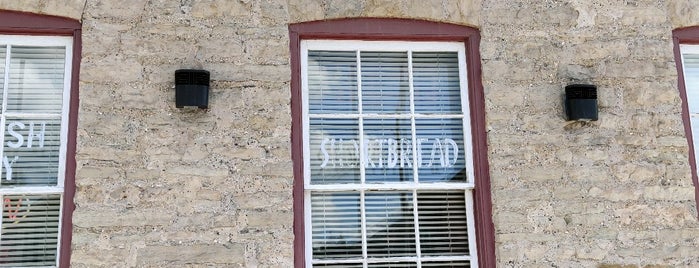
[385, 82]
[343, 265]
[690, 66]
[448, 264]
[36, 79]
[436, 82]
[336, 225]
[390, 228]
[388, 152]
[32, 148]
[3, 57]
[443, 226]
[443, 264]
[386, 118]
[29, 235]
[335, 148]
[441, 156]
[332, 81]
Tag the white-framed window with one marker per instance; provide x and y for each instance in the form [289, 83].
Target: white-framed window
[35, 82]
[388, 166]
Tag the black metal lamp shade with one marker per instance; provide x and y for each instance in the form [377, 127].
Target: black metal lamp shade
[581, 102]
[192, 88]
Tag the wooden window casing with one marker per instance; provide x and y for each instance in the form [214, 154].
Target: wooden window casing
[372, 29]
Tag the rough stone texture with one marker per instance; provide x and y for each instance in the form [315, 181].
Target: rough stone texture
[164, 187]
[64, 8]
[601, 193]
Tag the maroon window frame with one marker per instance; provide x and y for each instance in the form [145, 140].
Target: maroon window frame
[689, 35]
[22, 23]
[403, 30]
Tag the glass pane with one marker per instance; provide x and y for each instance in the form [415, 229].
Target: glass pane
[385, 82]
[342, 265]
[436, 82]
[36, 79]
[388, 150]
[442, 221]
[336, 225]
[440, 146]
[32, 149]
[393, 265]
[691, 78]
[694, 123]
[29, 234]
[3, 55]
[389, 224]
[334, 146]
[332, 82]
[448, 264]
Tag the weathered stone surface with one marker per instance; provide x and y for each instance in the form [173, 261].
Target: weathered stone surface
[203, 254]
[159, 186]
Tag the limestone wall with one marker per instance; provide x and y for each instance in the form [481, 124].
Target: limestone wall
[159, 186]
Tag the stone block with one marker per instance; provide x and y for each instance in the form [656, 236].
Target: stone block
[226, 254]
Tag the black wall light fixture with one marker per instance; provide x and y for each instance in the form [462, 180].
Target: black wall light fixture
[192, 88]
[581, 102]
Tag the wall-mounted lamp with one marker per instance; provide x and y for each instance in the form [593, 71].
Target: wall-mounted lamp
[581, 102]
[192, 88]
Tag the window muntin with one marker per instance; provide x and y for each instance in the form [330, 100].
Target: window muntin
[35, 83]
[387, 153]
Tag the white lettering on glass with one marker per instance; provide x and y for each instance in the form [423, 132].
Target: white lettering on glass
[11, 129]
[389, 153]
[36, 132]
[8, 167]
[33, 135]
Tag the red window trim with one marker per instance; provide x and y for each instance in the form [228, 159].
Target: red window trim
[404, 30]
[22, 23]
[689, 35]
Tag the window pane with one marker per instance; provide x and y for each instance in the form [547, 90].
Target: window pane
[36, 79]
[694, 123]
[31, 152]
[436, 82]
[389, 224]
[388, 149]
[393, 265]
[691, 78]
[448, 264]
[440, 150]
[3, 55]
[385, 86]
[29, 234]
[334, 146]
[344, 265]
[442, 221]
[332, 82]
[336, 225]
